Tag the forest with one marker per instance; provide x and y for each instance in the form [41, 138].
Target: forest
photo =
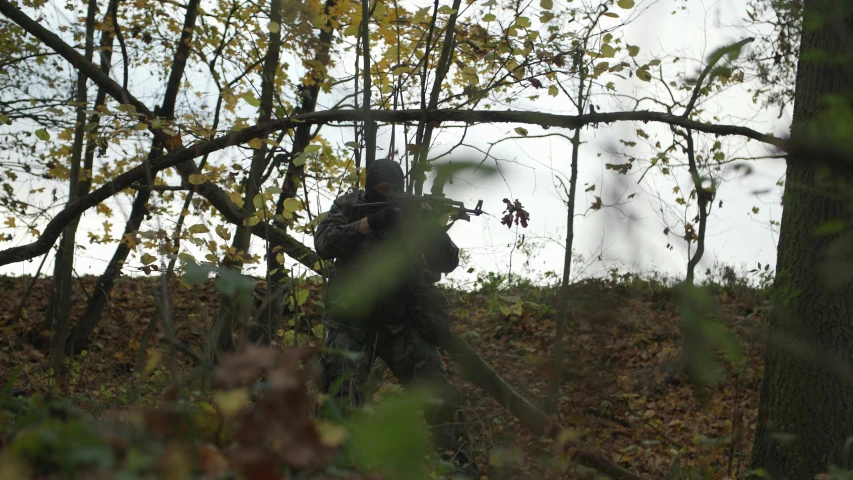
[172, 171]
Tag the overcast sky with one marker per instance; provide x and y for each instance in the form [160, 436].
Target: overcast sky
[630, 236]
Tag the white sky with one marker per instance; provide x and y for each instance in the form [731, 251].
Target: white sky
[632, 238]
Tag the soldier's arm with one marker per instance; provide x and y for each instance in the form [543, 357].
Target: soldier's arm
[335, 235]
[444, 256]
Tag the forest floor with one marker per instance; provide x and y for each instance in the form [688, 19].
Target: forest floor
[623, 338]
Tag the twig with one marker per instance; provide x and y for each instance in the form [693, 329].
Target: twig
[26, 296]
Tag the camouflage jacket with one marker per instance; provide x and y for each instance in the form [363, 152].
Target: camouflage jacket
[337, 237]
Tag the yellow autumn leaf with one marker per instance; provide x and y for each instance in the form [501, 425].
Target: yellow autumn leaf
[232, 401]
[331, 434]
[152, 361]
[197, 178]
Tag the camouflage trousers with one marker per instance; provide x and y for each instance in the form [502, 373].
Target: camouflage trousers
[414, 361]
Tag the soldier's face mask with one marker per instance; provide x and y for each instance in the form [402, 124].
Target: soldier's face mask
[388, 189]
[384, 178]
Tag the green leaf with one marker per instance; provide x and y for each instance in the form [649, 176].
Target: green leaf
[379, 11]
[392, 437]
[610, 14]
[5, 119]
[831, 227]
[259, 201]
[147, 258]
[312, 148]
[523, 22]
[292, 204]
[301, 296]
[654, 62]
[232, 283]
[546, 17]
[553, 91]
[643, 74]
[42, 134]
[251, 100]
[546, 4]
[633, 50]
[352, 144]
[273, 190]
[198, 228]
[195, 274]
[299, 159]
[607, 37]
[608, 51]
[274, 27]
[626, 4]
[251, 221]
[489, 17]
[521, 131]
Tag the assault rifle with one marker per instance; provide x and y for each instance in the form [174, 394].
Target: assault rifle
[439, 204]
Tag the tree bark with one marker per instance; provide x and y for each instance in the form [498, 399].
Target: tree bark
[702, 203]
[805, 407]
[277, 280]
[425, 128]
[59, 303]
[228, 306]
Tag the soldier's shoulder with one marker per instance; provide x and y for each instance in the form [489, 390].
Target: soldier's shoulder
[348, 199]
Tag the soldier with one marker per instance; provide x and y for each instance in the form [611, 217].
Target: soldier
[387, 327]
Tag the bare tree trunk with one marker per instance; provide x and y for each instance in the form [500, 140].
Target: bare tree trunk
[59, 304]
[272, 314]
[563, 307]
[702, 198]
[425, 128]
[92, 141]
[563, 304]
[369, 124]
[229, 309]
[95, 307]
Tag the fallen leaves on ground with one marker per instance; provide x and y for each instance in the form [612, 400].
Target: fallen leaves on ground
[620, 393]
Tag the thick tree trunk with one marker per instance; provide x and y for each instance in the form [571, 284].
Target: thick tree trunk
[806, 406]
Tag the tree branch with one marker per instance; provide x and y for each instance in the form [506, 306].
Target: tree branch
[712, 61]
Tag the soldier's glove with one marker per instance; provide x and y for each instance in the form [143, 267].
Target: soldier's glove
[383, 219]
